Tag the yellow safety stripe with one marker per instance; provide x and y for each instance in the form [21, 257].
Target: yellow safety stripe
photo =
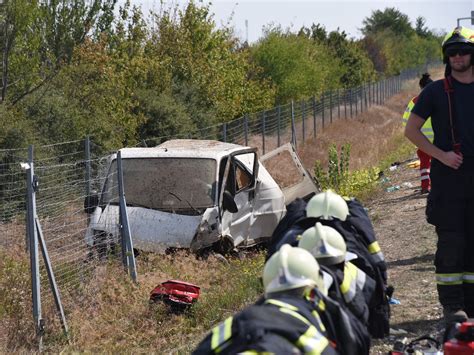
[468, 277]
[321, 324]
[221, 334]
[449, 279]
[295, 314]
[348, 286]
[374, 247]
[312, 341]
[322, 305]
[281, 304]
[463, 31]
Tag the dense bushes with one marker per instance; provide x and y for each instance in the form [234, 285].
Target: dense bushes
[76, 68]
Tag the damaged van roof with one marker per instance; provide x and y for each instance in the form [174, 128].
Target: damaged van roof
[185, 148]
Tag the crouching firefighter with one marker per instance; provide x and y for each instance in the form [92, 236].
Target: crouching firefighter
[329, 249]
[332, 210]
[349, 286]
[284, 321]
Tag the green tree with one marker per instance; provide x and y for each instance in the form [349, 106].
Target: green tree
[39, 38]
[389, 19]
[210, 61]
[297, 65]
[356, 66]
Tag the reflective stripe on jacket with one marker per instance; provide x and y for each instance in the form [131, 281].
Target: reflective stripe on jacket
[276, 325]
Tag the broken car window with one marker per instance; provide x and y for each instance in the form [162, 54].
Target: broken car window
[165, 183]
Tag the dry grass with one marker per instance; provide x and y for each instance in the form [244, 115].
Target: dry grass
[114, 314]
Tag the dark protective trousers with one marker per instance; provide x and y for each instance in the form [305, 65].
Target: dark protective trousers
[450, 208]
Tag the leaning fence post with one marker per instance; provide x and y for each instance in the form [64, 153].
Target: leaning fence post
[128, 256]
[263, 132]
[33, 246]
[224, 132]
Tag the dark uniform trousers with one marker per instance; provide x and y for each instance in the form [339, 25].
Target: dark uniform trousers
[450, 208]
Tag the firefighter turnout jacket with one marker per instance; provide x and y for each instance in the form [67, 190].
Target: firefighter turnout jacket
[281, 324]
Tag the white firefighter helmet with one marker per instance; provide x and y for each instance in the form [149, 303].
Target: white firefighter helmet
[325, 244]
[327, 205]
[291, 268]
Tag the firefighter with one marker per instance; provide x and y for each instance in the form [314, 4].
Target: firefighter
[332, 210]
[284, 321]
[450, 205]
[329, 249]
[427, 130]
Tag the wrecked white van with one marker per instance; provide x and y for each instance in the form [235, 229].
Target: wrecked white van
[194, 194]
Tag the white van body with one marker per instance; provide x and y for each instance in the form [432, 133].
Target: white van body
[178, 194]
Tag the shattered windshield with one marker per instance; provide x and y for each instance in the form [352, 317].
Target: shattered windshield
[169, 184]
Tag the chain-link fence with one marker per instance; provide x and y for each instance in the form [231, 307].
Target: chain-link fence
[298, 121]
[67, 174]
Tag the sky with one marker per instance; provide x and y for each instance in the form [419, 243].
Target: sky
[347, 15]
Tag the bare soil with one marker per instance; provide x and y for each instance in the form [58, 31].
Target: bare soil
[408, 243]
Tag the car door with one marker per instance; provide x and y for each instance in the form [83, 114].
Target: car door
[239, 182]
[286, 169]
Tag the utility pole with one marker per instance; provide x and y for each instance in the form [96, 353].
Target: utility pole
[462, 18]
[246, 30]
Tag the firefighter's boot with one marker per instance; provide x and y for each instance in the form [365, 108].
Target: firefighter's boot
[454, 314]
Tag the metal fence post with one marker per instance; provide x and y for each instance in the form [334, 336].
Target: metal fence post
[366, 98]
[33, 246]
[356, 100]
[350, 100]
[51, 277]
[278, 124]
[293, 131]
[87, 144]
[128, 256]
[303, 117]
[330, 106]
[338, 105]
[263, 132]
[369, 94]
[246, 128]
[379, 92]
[322, 109]
[224, 132]
[345, 104]
[314, 116]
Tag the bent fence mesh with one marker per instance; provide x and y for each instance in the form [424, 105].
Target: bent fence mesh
[78, 258]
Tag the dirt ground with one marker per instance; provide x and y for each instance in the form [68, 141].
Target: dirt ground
[409, 244]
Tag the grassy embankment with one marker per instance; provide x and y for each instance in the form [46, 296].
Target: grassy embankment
[119, 318]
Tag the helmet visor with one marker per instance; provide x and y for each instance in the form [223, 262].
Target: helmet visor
[453, 51]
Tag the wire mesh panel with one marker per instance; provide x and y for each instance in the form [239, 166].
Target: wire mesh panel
[12, 198]
[76, 251]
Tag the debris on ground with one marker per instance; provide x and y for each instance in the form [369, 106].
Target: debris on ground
[179, 295]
